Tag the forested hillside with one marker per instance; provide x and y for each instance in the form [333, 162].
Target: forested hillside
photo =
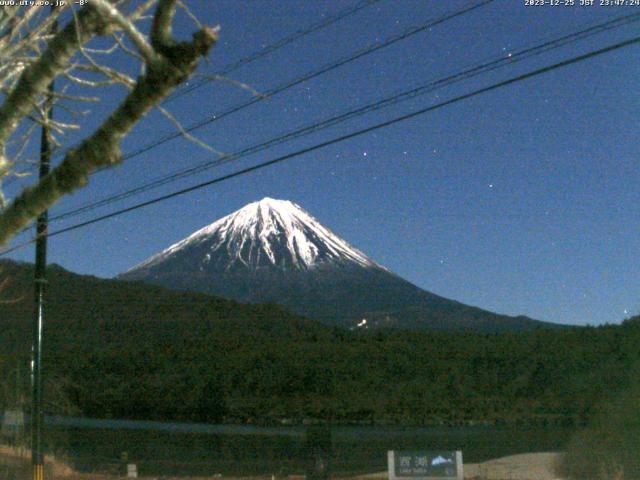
[127, 350]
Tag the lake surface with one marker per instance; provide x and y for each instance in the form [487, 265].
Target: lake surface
[192, 449]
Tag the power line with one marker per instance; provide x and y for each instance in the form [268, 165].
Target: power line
[342, 138]
[465, 74]
[283, 42]
[226, 70]
[306, 77]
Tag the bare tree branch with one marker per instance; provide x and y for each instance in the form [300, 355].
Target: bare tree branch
[128, 27]
[192, 138]
[4, 284]
[168, 64]
[36, 78]
[161, 35]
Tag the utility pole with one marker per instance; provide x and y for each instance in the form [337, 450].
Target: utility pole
[40, 280]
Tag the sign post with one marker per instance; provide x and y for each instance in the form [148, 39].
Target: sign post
[12, 425]
[423, 465]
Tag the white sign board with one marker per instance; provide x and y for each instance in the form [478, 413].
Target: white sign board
[132, 470]
[423, 465]
[13, 418]
[12, 422]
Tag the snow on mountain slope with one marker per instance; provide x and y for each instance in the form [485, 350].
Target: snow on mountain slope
[274, 251]
[267, 233]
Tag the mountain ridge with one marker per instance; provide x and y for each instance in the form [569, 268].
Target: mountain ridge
[268, 222]
[274, 251]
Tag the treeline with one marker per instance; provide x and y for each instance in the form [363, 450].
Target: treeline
[608, 446]
[127, 350]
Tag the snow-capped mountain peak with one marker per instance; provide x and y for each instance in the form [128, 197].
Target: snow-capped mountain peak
[266, 233]
[274, 251]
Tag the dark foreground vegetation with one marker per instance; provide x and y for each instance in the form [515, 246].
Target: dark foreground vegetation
[126, 350]
[608, 447]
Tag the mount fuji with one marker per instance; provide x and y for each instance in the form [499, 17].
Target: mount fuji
[274, 251]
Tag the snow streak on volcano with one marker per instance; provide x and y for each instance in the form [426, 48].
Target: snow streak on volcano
[274, 251]
[268, 233]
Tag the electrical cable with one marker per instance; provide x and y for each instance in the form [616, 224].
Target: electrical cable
[226, 70]
[306, 77]
[342, 138]
[470, 72]
[229, 68]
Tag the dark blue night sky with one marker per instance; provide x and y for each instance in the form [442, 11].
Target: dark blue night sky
[524, 200]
